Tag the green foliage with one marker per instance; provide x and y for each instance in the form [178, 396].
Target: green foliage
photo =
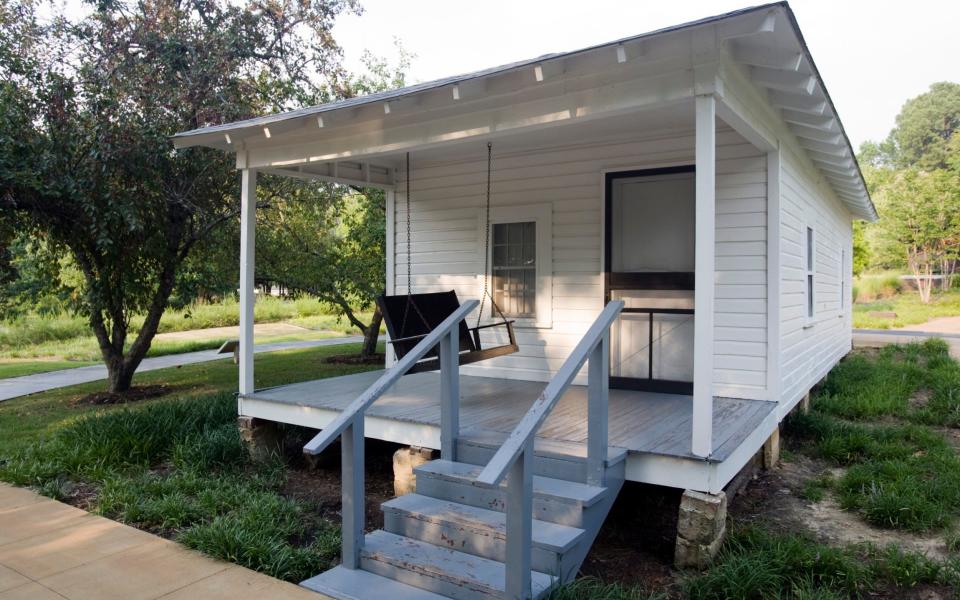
[861, 249]
[907, 306]
[591, 588]
[903, 476]
[925, 127]
[87, 111]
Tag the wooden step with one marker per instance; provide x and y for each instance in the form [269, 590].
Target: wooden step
[554, 500]
[439, 570]
[475, 530]
[558, 459]
[356, 584]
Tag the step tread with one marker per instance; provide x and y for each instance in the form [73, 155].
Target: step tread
[546, 535]
[558, 449]
[356, 584]
[542, 486]
[458, 568]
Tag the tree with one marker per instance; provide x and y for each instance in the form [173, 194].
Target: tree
[329, 241]
[86, 112]
[925, 127]
[920, 214]
[861, 249]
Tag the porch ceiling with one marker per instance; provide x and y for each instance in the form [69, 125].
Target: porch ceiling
[647, 77]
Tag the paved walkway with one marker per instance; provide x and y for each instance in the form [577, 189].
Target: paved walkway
[41, 382]
[52, 551]
[875, 338]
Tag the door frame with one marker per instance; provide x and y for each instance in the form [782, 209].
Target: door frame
[674, 280]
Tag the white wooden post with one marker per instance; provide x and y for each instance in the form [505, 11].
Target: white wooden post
[391, 235]
[598, 390]
[519, 521]
[705, 154]
[773, 275]
[450, 393]
[248, 224]
[351, 476]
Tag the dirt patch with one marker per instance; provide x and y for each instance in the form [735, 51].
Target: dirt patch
[775, 499]
[319, 484]
[635, 545]
[134, 394]
[920, 398]
[356, 359]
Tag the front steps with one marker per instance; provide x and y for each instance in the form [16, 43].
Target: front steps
[448, 540]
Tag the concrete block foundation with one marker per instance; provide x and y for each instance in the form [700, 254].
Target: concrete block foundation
[405, 460]
[700, 529]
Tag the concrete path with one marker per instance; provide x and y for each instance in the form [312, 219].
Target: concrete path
[875, 338]
[41, 382]
[52, 551]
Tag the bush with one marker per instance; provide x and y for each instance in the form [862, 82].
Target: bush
[873, 287]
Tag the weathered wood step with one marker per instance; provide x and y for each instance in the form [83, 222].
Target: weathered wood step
[356, 584]
[443, 571]
[475, 530]
[542, 447]
[554, 500]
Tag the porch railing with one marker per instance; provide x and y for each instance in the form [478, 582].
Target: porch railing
[349, 424]
[515, 457]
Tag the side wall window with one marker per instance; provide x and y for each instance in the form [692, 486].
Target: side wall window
[810, 259]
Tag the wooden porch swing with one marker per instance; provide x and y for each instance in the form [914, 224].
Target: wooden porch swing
[411, 317]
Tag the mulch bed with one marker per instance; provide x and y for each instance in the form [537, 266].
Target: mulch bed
[355, 359]
[134, 394]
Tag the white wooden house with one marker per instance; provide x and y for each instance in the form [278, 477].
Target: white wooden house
[675, 207]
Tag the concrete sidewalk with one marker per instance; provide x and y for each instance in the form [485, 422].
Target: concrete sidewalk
[876, 338]
[41, 382]
[52, 551]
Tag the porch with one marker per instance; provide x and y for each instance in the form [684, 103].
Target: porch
[654, 428]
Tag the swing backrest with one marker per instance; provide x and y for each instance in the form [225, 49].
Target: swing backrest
[426, 313]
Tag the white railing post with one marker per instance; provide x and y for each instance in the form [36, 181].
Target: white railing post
[248, 232]
[354, 501]
[598, 395]
[449, 394]
[519, 519]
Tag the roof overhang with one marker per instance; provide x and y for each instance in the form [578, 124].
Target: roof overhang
[763, 44]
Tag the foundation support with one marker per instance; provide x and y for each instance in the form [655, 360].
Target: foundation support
[771, 450]
[700, 529]
[405, 460]
[805, 404]
[262, 438]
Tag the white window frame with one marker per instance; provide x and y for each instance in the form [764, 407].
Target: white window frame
[809, 273]
[843, 280]
[542, 215]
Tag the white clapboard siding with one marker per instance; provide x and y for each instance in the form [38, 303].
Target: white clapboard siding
[809, 348]
[446, 245]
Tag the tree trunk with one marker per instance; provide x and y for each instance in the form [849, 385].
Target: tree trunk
[371, 335]
[120, 376]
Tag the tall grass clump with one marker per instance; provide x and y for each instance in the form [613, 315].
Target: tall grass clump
[877, 286]
[591, 588]
[127, 438]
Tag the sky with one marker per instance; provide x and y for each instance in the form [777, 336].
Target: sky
[873, 55]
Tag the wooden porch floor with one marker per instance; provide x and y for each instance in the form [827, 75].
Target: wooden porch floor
[640, 422]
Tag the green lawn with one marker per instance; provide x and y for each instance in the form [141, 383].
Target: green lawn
[26, 419]
[909, 309]
[68, 337]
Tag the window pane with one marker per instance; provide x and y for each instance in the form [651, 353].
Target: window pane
[514, 268]
[810, 249]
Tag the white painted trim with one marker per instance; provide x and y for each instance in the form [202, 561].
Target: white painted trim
[773, 275]
[391, 260]
[248, 226]
[542, 215]
[705, 278]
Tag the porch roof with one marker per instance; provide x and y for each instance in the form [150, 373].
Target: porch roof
[764, 41]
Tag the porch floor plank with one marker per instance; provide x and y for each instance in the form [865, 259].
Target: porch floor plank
[641, 422]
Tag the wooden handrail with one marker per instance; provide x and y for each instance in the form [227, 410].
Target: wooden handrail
[390, 376]
[526, 429]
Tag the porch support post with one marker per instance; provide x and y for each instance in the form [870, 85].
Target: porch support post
[248, 223]
[449, 394]
[391, 235]
[705, 155]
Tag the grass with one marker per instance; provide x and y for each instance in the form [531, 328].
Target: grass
[69, 337]
[178, 467]
[23, 420]
[873, 417]
[909, 309]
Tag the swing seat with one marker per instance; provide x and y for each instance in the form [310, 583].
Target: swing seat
[407, 325]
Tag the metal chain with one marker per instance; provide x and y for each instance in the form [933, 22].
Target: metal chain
[409, 256]
[486, 238]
